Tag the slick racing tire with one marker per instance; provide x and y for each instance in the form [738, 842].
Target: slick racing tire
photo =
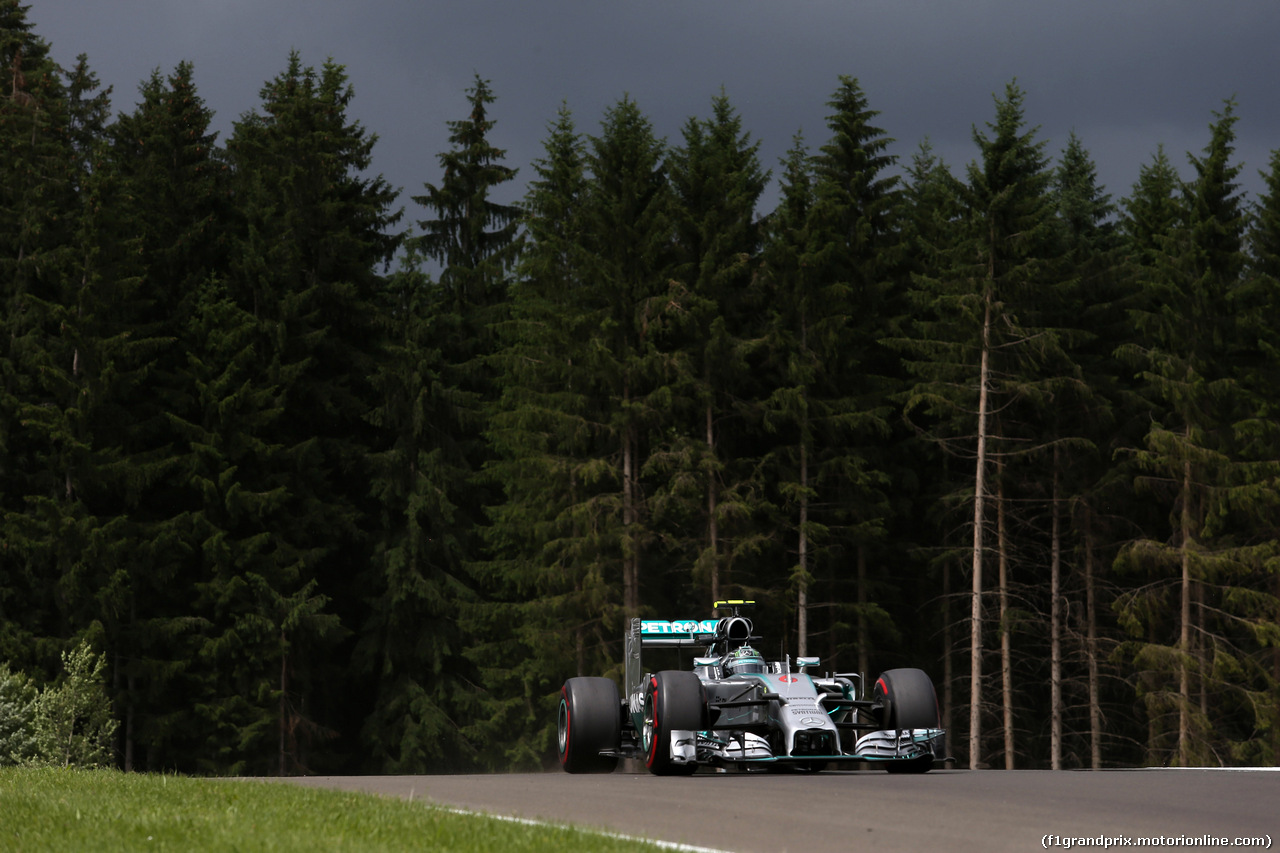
[590, 720]
[673, 701]
[907, 701]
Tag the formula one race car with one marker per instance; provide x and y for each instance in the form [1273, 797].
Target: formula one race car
[737, 710]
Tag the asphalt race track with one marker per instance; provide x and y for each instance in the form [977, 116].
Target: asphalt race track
[944, 810]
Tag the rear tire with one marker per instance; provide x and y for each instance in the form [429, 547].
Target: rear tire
[590, 720]
[673, 701]
[907, 700]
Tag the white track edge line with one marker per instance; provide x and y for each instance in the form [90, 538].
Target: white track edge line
[665, 845]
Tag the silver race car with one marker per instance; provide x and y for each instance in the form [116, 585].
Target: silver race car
[735, 709]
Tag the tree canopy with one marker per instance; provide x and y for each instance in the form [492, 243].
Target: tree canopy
[332, 492]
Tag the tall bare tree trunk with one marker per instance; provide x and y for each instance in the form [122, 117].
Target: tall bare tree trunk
[1201, 645]
[1155, 721]
[713, 530]
[1275, 674]
[128, 708]
[630, 556]
[864, 638]
[284, 698]
[579, 652]
[1201, 649]
[1055, 625]
[130, 684]
[128, 733]
[1184, 640]
[802, 594]
[1091, 645]
[948, 649]
[1006, 638]
[979, 493]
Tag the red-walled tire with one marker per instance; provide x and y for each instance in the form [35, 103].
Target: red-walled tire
[590, 720]
[673, 701]
[907, 701]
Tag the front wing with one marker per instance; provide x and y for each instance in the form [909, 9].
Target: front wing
[909, 746]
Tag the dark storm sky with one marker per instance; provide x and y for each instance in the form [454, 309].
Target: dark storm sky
[1125, 75]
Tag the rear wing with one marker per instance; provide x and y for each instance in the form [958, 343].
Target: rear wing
[654, 633]
[681, 632]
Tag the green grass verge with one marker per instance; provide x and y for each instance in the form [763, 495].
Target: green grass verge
[104, 810]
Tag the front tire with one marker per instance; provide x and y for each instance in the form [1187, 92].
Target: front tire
[673, 701]
[907, 700]
[590, 720]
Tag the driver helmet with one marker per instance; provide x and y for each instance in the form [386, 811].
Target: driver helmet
[744, 660]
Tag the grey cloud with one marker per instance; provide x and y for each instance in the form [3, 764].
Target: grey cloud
[1125, 76]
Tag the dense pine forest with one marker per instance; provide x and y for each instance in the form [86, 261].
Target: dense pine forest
[340, 481]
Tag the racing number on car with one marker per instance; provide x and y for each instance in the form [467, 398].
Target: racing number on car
[788, 679]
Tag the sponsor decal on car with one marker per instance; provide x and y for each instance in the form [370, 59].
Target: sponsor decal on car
[656, 627]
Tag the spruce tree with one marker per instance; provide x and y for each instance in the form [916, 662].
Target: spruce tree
[791, 285]
[717, 180]
[315, 228]
[1264, 230]
[830, 277]
[39, 216]
[154, 236]
[472, 234]
[1188, 350]
[979, 348]
[417, 586]
[437, 386]
[472, 240]
[1257, 437]
[627, 235]
[932, 226]
[857, 221]
[1081, 432]
[551, 574]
